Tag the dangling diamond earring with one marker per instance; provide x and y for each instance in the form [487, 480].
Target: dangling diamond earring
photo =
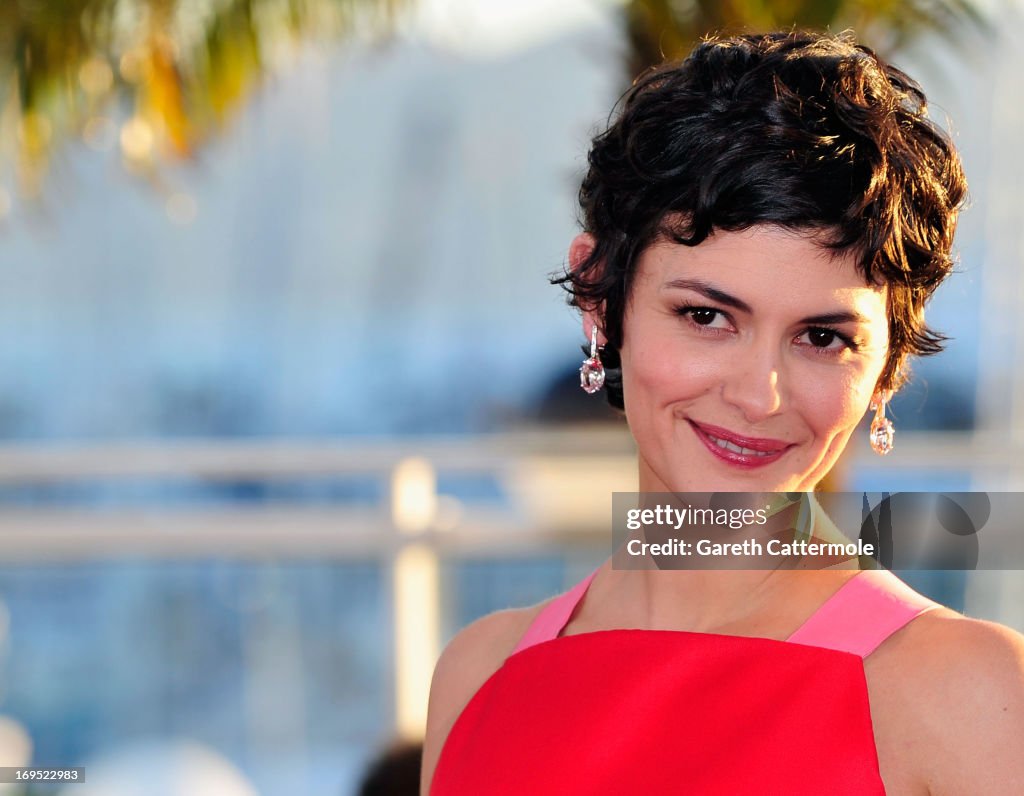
[592, 371]
[882, 432]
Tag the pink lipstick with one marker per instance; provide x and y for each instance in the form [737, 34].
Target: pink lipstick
[738, 450]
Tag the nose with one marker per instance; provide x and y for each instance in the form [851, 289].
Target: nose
[754, 383]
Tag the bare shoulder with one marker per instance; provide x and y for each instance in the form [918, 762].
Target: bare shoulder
[954, 688]
[469, 659]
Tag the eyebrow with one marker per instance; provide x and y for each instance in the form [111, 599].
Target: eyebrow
[719, 295]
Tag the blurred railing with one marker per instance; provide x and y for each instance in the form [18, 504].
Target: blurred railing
[554, 484]
[553, 492]
[546, 479]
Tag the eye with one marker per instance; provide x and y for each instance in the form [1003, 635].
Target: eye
[821, 338]
[705, 317]
[827, 340]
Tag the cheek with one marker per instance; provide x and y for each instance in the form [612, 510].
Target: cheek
[663, 368]
[836, 403]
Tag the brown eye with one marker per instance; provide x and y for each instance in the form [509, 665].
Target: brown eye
[703, 316]
[821, 338]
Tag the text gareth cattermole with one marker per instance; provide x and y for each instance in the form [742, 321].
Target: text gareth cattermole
[666, 516]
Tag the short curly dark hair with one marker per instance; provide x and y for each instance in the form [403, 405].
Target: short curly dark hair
[802, 130]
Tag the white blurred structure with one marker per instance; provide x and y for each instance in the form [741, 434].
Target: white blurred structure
[162, 768]
[15, 744]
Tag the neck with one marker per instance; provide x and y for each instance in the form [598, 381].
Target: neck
[699, 600]
[688, 592]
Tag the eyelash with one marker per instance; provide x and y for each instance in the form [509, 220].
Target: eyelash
[686, 311]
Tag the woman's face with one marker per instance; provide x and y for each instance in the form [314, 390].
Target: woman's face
[758, 340]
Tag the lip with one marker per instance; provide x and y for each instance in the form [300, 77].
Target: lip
[769, 450]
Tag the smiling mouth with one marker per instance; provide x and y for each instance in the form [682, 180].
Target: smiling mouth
[722, 443]
[735, 449]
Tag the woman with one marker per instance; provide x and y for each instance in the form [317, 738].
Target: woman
[764, 223]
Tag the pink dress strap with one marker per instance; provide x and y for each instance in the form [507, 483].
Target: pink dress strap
[554, 616]
[864, 612]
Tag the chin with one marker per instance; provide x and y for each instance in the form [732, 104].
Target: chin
[772, 478]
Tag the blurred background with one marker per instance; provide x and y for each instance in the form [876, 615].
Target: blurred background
[286, 398]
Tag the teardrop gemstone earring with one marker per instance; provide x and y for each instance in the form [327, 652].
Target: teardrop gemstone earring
[592, 371]
[882, 431]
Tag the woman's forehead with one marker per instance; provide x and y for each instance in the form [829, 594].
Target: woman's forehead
[758, 265]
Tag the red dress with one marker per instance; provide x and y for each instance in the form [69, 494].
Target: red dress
[659, 711]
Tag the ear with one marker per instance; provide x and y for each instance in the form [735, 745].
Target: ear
[580, 249]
